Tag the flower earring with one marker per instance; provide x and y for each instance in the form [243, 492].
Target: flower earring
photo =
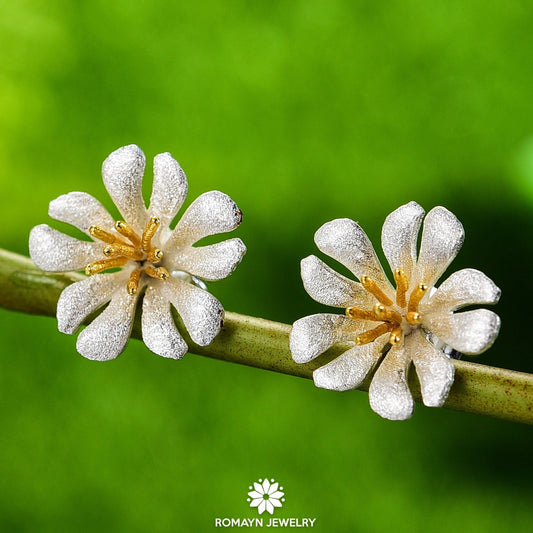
[150, 257]
[391, 327]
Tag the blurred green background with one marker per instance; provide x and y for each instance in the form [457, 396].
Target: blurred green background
[302, 111]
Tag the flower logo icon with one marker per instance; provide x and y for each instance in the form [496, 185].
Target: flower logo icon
[265, 495]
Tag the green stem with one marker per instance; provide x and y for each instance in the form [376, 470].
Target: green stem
[264, 344]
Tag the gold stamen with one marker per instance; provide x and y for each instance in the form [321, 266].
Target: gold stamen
[414, 318]
[157, 272]
[133, 282]
[373, 334]
[418, 293]
[395, 336]
[402, 284]
[370, 285]
[361, 314]
[125, 250]
[105, 264]
[149, 232]
[155, 255]
[98, 233]
[124, 229]
[387, 315]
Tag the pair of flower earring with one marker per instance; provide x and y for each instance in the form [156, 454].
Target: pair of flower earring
[386, 327]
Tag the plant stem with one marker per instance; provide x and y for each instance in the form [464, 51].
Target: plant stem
[264, 344]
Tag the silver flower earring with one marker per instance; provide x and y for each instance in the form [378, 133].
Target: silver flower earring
[392, 327]
[150, 256]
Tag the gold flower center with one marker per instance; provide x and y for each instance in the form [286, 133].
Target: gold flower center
[395, 319]
[119, 252]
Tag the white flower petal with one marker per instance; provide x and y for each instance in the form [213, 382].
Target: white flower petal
[269, 506]
[81, 210]
[213, 262]
[462, 288]
[254, 494]
[169, 189]
[328, 287]
[257, 502]
[158, 327]
[259, 488]
[442, 238]
[312, 335]
[345, 241]
[435, 371]
[262, 507]
[107, 335]
[347, 371]
[389, 393]
[399, 236]
[54, 251]
[266, 485]
[200, 311]
[276, 496]
[82, 298]
[273, 488]
[122, 172]
[275, 502]
[470, 332]
[211, 213]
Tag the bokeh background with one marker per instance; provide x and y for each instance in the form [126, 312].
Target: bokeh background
[302, 111]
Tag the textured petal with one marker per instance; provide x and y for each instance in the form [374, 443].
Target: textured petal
[82, 298]
[107, 335]
[123, 173]
[435, 371]
[269, 507]
[470, 332]
[399, 236]
[56, 252]
[349, 369]
[328, 287]
[389, 393]
[213, 262]
[345, 241]
[262, 507]
[169, 189]
[158, 327]
[211, 213]
[442, 238]
[312, 335]
[200, 311]
[462, 288]
[81, 210]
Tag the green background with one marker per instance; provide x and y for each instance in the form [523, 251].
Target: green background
[302, 112]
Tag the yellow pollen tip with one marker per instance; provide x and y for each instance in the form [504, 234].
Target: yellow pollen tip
[402, 284]
[109, 251]
[416, 296]
[157, 272]
[133, 282]
[394, 338]
[379, 310]
[371, 286]
[149, 232]
[414, 318]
